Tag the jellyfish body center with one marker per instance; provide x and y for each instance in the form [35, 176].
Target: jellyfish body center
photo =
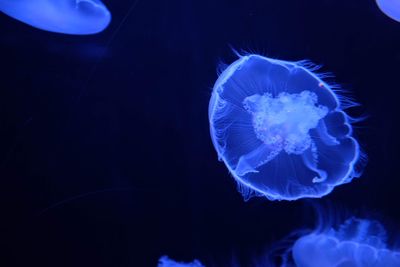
[284, 122]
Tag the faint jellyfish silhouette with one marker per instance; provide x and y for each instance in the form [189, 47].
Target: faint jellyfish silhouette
[62, 16]
[164, 261]
[281, 130]
[357, 243]
[391, 8]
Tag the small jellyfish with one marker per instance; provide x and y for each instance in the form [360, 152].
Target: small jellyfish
[164, 261]
[391, 8]
[62, 16]
[281, 130]
[357, 243]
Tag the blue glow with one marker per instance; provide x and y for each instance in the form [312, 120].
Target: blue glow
[390, 7]
[61, 16]
[356, 243]
[281, 130]
[167, 262]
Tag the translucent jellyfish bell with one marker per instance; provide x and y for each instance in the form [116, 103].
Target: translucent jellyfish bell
[357, 243]
[164, 261]
[61, 16]
[390, 7]
[281, 130]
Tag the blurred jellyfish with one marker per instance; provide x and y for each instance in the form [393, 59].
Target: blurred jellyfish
[390, 7]
[281, 130]
[357, 243]
[61, 16]
[164, 261]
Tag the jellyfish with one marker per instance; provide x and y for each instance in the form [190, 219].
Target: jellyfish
[164, 261]
[62, 16]
[281, 130]
[357, 243]
[391, 8]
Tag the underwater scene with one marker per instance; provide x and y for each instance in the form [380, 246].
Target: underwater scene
[214, 133]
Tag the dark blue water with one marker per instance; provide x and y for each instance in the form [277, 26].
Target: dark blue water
[105, 152]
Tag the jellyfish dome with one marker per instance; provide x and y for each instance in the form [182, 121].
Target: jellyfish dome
[164, 261]
[281, 130]
[357, 243]
[62, 16]
[390, 7]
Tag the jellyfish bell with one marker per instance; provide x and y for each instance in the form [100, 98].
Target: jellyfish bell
[78, 17]
[356, 243]
[281, 130]
[390, 8]
[165, 261]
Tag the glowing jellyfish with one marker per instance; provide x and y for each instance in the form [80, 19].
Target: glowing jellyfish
[357, 243]
[390, 7]
[281, 130]
[62, 16]
[167, 262]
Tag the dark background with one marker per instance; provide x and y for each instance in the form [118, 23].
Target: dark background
[105, 154]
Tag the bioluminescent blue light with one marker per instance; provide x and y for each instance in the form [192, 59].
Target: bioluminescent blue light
[167, 262]
[357, 243]
[61, 16]
[390, 7]
[281, 130]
